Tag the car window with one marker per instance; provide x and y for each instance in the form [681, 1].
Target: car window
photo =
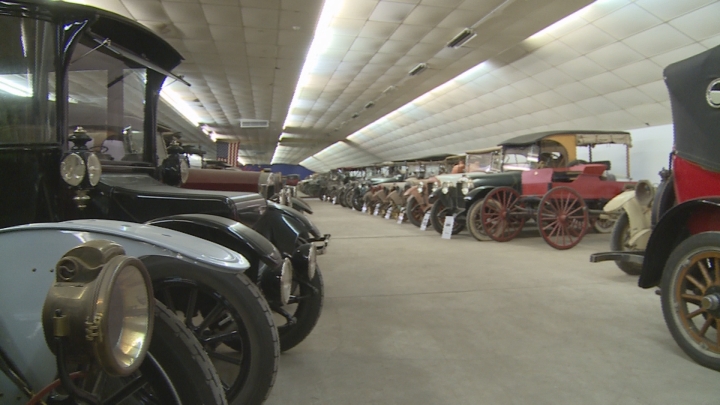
[27, 81]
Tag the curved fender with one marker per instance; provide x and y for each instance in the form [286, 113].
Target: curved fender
[675, 226]
[476, 194]
[228, 233]
[300, 205]
[619, 201]
[282, 226]
[30, 253]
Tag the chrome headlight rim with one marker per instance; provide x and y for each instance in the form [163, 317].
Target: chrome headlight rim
[446, 187]
[420, 188]
[72, 169]
[94, 169]
[286, 281]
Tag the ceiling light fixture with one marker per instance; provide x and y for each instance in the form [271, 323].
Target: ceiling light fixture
[462, 38]
[369, 105]
[418, 69]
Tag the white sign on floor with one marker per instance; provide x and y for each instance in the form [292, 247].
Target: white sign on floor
[426, 219]
[388, 213]
[401, 216]
[448, 227]
[377, 209]
[364, 208]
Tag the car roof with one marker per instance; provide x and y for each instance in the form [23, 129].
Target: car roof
[589, 137]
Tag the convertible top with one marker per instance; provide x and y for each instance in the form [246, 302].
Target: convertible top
[584, 137]
[694, 88]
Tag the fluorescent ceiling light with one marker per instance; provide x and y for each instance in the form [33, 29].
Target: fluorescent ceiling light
[418, 69]
[176, 102]
[462, 38]
[9, 86]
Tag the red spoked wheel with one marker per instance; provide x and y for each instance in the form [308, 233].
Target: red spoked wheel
[502, 215]
[562, 218]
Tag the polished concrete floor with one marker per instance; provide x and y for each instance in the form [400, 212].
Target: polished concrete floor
[410, 318]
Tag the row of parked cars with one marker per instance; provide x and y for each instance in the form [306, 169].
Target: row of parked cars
[129, 277]
[493, 192]
[669, 235]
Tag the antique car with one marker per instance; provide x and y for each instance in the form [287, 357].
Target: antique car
[682, 255]
[83, 66]
[551, 149]
[486, 160]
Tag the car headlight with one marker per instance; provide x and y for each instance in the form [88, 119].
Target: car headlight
[420, 188]
[72, 169]
[101, 307]
[446, 187]
[94, 169]
[286, 276]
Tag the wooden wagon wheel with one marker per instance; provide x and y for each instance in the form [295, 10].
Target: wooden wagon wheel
[502, 214]
[562, 218]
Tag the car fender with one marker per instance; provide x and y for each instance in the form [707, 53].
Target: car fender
[228, 233]
[284, 226]
[300, 205]
[30, 253]
[676, 225]
[619, 201]
[476, 194]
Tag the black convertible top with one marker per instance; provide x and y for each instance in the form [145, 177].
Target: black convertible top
[696, 121]
[529, 139]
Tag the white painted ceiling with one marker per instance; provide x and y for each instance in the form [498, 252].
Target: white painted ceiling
[600, 69]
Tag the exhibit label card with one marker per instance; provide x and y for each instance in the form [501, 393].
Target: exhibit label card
[426, 219]
[448, 226]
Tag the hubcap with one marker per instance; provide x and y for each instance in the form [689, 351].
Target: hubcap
[710, 302]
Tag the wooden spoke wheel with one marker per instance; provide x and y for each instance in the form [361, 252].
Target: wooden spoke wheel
[414, 211]
[502, 215]
[562, 218]
[690, 296]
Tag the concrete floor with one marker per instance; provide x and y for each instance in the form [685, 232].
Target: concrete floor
[410, 318]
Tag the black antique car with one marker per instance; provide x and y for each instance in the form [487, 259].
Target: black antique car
[79, 90]
[462, 195]
[682, 255]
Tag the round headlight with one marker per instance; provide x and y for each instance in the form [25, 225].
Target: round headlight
[445, 187]
[420, 188]
[465, 189]
[184, 171]
[94, 169]
[286, 276]
[72, 169]
[312, 262]
[104, 315]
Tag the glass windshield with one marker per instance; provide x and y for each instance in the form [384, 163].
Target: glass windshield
[27, 81]
[516, 158]
[107, 98]
[484, 162]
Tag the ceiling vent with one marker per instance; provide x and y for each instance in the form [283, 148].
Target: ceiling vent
[462, 38]
[418, 69]
[254, 123]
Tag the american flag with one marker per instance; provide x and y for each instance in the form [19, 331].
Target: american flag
[228, 152]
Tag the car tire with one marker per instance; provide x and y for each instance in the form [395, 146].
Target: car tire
[620, 233]
[357, 201]
[414, 211]
[684, 285]
[306, 313]
[184, 361]
[250, 379]
[473, 222]
[437, 218]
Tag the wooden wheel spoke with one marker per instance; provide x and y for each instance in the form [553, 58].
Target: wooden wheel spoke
[224, 357]
[695, 313]
[703, 330]
[696, 283]
[168, 300]
[579, 208]
[212, 317]
[191, 307]
[691, 298]
[220, 337]
[705, 272]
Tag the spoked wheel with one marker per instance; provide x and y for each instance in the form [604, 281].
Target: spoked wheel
[230, 319]
[305, 305]
[474, 222]
[357, 201]
[414, 211]
[562, 218]
[690, 295]
[502, 214]
[620, 241]
[603, 225]
[438, 212]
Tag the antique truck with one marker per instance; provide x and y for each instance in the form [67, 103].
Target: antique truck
[463, 198]
[78, 118]
[682, 255]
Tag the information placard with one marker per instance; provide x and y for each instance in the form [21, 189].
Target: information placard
[426, 219]
[448, 226]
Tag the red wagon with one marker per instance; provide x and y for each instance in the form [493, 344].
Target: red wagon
[562, 201]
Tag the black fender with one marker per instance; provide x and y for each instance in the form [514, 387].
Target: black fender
[668, 233]
[259, 251]
[664, 199]
[476, 194]
[300, 205]
[285, 227]
[447, 199]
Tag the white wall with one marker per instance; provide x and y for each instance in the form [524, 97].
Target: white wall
[649, 153]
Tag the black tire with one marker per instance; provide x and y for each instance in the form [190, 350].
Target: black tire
[236, 310]
[411, 209]
[473, 222]
[437, 218]
[184, 361]
[357, 201]
[341, 197]
[618, 238]
[349, 198]
[307, 309]
[685, 284]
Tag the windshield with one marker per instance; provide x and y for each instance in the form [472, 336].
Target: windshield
[519, 158]
[27, 81]
[484, 162]
[107, 99]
